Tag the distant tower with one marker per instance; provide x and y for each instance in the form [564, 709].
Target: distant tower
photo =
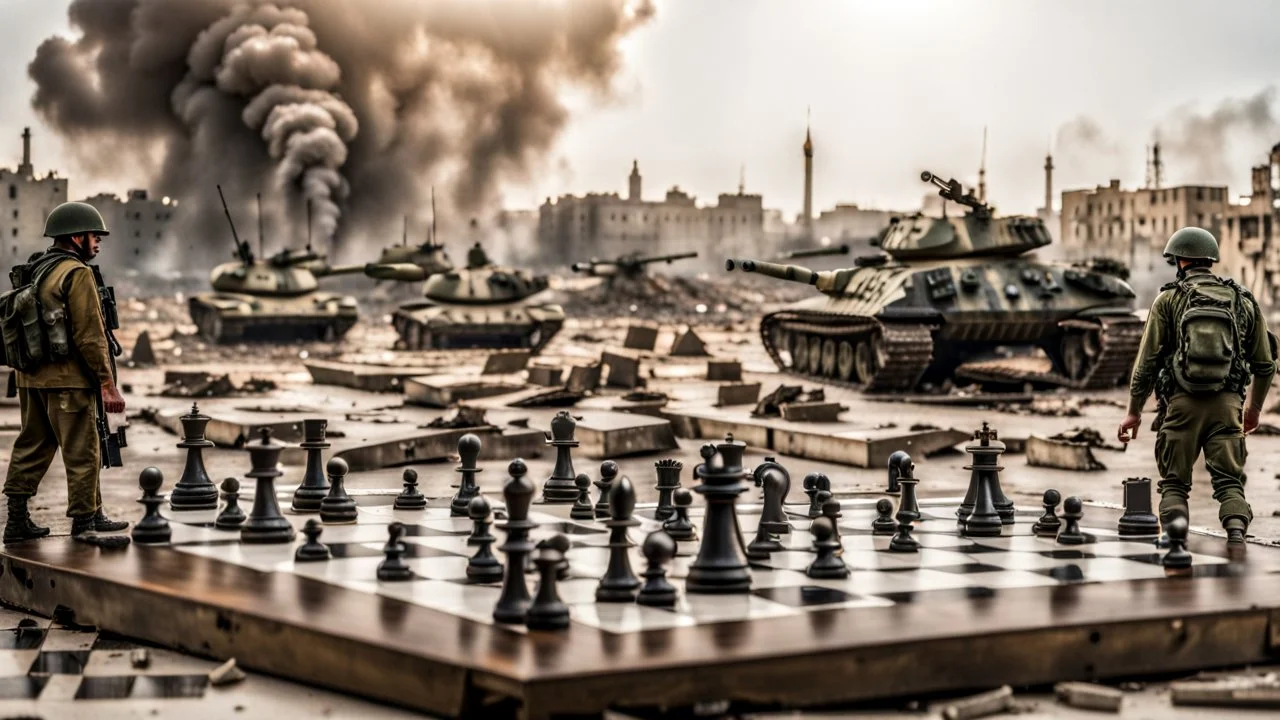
[25, 168]
[742, 180]
[808, 179]
[1147, 156]
[1048, 184]
[1157, 166]
[633, 192]
[982, 169]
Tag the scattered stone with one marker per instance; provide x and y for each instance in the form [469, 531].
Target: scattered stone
[641, 337]
[812, 411]
[545, 376]
[463, 417]
[731, 394]
[982, 705]
[584, 378]
[1089, 696]
[724, 370]
[226, 674]
[688, 344]
[624, 370]
[1063, 454]
[506, 362]
[140, 658]
[143, 354]
[771, 405]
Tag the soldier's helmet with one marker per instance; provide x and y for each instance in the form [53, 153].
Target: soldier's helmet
[74, 218]
[477, 257]
[1192, 243]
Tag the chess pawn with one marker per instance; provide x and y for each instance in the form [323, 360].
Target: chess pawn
[884, 524]
[394, 568]
[668, 471]
[903, 542]
[517, 492]
[410, 498]
[483, 566]
[337, 507]
[468, 457]
[153, 528]
[1049, 523]
[1177, 559]
[827, 564]
[312, 550]
[608, 473]
[194, 490]
[231, 517]
[897, 461]
[265, 523]
[831, 511]
[547, 611]
[1072, 511]
[680, 527]
[560, 543]
[560, 486]
[619, 583]
[582, 509]
[314, 487]
[810, 485]
[658, 548]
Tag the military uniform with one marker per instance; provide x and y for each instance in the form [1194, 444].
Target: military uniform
[1189, 423]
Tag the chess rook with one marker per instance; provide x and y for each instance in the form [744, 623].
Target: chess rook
[482, 567]
[658, 548]
[314, 487]
[194, 491]
[620, 583]
[468, 458]
[721, 565]
[410, 498]
[231, 517]
[1138, 518]
[560, 486]
[668, 472]
[265, 523]
[337, 507]
[608, 472]
[513, 604]
[153, 528]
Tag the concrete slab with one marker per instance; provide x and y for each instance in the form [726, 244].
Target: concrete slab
[506, 362]
[1063, 454]
[584, 378]
[731, 394]
[389, 446]
[623, 370]
[442, 391]
[546, 376]
[372, 378]
[605, 435]
[724, 370]
[842, 443]
[641, 337]
[812, 411]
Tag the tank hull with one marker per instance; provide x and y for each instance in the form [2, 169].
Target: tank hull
[229, 317]
[430, 325]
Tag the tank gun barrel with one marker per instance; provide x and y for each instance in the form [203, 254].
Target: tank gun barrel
[790, 273]
[815, 252]
[952, 190]
[640, 261]
[242, 248]
[323, 270]
[401, 272]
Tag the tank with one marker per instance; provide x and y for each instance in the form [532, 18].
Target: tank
[629, 266]
[479, 306]
[272, 300]
[955, 297]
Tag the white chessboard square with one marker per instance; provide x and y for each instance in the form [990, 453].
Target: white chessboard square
[451, 567]
[265, 558]
[873, 582]
[619, 618]
[1028, 543]
[923, 558]
[1016, 560]
[709, 608]
[998, 579]
[191, 534]
[453, 525]
[354, 533]
[349, 572]
[1122, 548]
[1108, 569]
[473, 602]
[456, 544]
[386, 514]
[191, 517]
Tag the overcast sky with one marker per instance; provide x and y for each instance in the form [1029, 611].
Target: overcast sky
[895, 86]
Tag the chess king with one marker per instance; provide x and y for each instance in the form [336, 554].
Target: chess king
[1205, 338]
[64, 372]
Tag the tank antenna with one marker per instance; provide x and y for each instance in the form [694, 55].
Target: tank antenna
[432, 239]
[262, 248]
[404, 234]
[308, 224]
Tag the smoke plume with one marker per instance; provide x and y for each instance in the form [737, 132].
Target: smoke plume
[1198, 147]
[357, 107]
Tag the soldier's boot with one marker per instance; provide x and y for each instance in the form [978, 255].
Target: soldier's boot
[19, 526]
[97, 522]
[1235, 528]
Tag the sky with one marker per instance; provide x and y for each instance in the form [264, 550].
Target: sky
[892, 87]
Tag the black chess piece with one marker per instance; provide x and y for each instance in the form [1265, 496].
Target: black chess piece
[582, 508]
[560, 487]
[337, 507]
[548, 611]
[468, 456]
[985, 451]
[194, 490]
[902, 541]
[608, 473]
[895, 470]
[985, 520]
[721, 563]
[884, 524]
[265, 524]
[831, 511]
[231, 517]
[312, 550]
[658, 548]
[1177, 558]
[409, 498]
[668, 472]
[560, 543]
[394, 568]
[907, 483]
[775, 497]
[153, 528]
[764, 543]
[620, 583]
[827, 564]
[483, 567]
[810, 485]
[1049, 523]
[1072, 511]
[517, 492]
[311, 492]
[1138, 518]
[680, 527]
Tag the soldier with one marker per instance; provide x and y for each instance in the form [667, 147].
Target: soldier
[60, 400]
[1204, 338]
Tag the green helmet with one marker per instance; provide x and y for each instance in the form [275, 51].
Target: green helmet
[74, 218]
[1191, 243]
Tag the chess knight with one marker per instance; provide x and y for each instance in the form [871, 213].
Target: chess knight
[57, 335]
[1205, 338]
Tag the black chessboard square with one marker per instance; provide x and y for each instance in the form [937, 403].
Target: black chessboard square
[1066, 573]
[1067, 554]
[968, 568]
[804, 596]
[21, 639]
[572, 528]
[356, 550]
[60, 662]
[169, 686]
[112, 687]
[22, 688]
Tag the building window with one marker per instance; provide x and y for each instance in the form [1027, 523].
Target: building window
[15, 232]
[137, 233]
[15, 214]
[1153, 197]
[1199, 194]
[13, 192]
[1175, 194]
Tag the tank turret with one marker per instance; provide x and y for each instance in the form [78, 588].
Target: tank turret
[630, 265]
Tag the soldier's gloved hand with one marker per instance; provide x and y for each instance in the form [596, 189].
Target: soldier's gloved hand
[112, 400]
[1129, 427]
[1251, 417]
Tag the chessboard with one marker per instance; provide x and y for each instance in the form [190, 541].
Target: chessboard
[1031, 609]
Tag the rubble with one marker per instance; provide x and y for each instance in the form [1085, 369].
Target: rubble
[737, 394]
[624, 370]
[771, 405]
[1229, 692]
[641, 337]
[143, 354]
[724, 370]
[688, 344]
[464, 416]
[1072, 450]
[812, 411]
[1089, 696]
[226, 674]
[196, 384]
[982, 705]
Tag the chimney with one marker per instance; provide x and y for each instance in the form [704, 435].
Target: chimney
[1048, 185]
[25, 168]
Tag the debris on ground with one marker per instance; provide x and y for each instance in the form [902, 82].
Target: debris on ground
[921, 427]
[1089, 696]
[140, 658]
[771, 405]
[999, 700]
[463, 416]
[197, 384]
[1240, 691]
[143, 354]
[1088, 436]
[226, 674]
[1067, 451]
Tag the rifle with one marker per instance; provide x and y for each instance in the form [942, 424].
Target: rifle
[109, 443]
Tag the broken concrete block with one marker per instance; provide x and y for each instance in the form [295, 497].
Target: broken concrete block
[143, 354]
[812, 411]
[982, 705]
[1235, 692]
[688, 344]
[1061, 454]
[226, 674]
[442, 391]
[373, 378]
[545, 376]
[584, 378]
[1089, 696]
[139, 658]
[724, 370]
[506, 362]
[641, 337]
[737, 394]
[196, 385]
[603, 434]
[624, 370]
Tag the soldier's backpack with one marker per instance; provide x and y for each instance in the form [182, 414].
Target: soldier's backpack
[1207, 336]
[31, 335]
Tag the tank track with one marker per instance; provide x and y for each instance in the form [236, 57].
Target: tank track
[405, 325]
[1120, 336]
[905, 348]
[265, 330]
